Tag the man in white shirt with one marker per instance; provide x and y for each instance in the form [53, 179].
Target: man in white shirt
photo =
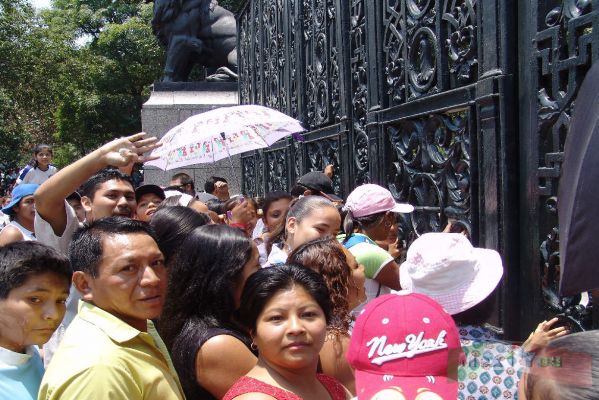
[103, 194]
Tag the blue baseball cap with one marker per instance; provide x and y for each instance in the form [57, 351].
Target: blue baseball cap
[19, 191]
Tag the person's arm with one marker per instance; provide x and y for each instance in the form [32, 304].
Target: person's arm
[10, 234]
[334, 363]
[220, 362]
[389, 276]
[49, 197]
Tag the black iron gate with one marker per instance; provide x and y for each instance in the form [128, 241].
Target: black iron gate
[458, 106]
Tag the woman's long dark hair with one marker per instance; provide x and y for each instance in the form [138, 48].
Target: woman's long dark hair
[202, 278]
[172, 225]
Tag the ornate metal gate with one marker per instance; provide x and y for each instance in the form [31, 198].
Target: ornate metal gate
[458, 106]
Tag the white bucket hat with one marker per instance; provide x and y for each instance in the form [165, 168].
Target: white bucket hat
[446, 267]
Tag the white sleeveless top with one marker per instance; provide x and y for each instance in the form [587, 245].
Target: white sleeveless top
[27, 234]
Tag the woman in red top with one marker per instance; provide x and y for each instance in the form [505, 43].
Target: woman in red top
[286, 310]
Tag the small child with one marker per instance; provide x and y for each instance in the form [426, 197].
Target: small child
[39, 169]
[34, 286]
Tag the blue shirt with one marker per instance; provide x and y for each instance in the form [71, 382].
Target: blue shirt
[20, 374]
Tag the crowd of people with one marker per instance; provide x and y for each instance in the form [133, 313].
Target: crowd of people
[112, 290]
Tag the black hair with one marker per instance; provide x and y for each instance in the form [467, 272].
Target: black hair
[38, 148]
[272, 197]
[90, 187]
[86, 250]
[185, 180]
[205, 268]
[351, 223]
[172, 225]
[210, 182]
[267, 282]
[298, 190]
[21, 260]
[202, 278]
[570, 350]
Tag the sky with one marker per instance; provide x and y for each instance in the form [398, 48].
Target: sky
[41, 3]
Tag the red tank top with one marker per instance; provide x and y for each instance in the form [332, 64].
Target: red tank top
[250, 385]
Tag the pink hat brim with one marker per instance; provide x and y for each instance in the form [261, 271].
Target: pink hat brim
[465, 294]
[369, 384]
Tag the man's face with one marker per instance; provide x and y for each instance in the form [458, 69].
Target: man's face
[32, 312]
[113, 198]
[221, 190]
[131, 279]
[185, 188]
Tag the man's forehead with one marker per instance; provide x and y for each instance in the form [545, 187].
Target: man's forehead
[116, 184]
[114, 244]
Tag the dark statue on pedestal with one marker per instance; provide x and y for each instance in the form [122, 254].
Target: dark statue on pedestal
[196, 32]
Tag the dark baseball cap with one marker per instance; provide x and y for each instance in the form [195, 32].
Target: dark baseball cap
[319, 182]
[145, 189]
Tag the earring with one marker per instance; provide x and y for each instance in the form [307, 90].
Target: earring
[253, 346]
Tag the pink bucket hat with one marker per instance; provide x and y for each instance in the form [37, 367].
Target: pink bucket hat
[446, 267]
[373, 199]
[405, 346]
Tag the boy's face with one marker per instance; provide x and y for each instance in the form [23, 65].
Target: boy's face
[32, 312]
[146, 206]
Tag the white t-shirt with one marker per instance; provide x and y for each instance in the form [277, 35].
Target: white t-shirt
[45, 234]
[29, 174]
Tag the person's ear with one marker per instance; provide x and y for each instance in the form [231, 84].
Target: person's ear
[291, 225]
[308, 192]
[86, 203]
[81, 281]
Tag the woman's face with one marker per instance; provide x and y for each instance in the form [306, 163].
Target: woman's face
[44, 158]
[322, 222]
[290, 330]
[275, 213]
[249, 268]
[357, 293]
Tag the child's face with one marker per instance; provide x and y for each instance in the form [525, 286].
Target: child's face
[44, 157]
[32, 312]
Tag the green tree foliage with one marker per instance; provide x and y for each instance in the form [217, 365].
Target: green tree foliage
[75, 75]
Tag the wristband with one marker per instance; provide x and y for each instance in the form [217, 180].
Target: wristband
[243, 227]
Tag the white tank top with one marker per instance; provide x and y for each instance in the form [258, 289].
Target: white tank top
[27, 234]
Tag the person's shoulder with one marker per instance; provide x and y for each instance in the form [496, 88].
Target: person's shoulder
[222, 344]
[10, 234]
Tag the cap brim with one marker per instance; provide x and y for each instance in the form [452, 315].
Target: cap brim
[403, 208]
[370, 386]
[468, 293]
[331, 196]
[145, 189]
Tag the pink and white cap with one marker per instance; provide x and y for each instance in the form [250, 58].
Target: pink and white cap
[405, 344]
[373, 199]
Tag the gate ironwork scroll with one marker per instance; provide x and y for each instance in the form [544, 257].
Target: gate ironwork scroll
[460, 107]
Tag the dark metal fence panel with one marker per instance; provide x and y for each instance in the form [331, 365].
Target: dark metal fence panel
[557, 47]
[460, 107]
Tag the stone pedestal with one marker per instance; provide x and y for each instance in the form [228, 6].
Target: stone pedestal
[172, 103]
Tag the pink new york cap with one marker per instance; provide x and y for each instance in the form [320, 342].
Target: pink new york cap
[406, 344]
[373, 199]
